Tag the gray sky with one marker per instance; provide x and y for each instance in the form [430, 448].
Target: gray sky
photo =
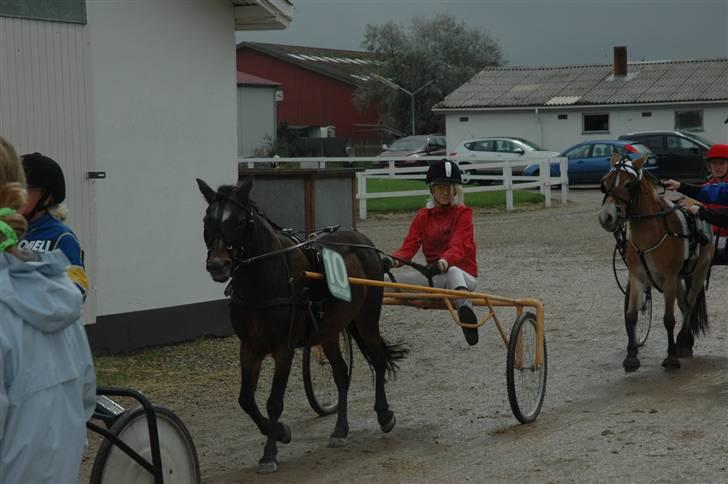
[530, 32]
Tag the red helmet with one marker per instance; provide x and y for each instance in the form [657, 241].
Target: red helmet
[717, 151]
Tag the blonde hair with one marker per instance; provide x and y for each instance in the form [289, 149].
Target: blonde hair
[12, 190]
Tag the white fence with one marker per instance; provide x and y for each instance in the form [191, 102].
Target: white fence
[499, 173]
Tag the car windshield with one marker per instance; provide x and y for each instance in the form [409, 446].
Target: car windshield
[410, 143]
[703, 140]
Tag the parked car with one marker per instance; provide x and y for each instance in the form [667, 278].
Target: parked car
[679, 154]
[589, 161]
[497, 149]
[413, 147]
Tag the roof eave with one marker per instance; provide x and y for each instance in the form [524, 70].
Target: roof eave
[574, 106]
[263, 14]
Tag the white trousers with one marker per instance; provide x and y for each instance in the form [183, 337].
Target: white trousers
[452, 279]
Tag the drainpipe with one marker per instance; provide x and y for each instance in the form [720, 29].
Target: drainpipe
[540, 125]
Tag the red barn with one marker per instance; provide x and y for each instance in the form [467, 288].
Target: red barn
[317, 85]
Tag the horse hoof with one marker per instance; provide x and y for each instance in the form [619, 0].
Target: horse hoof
[284, 434]
[386, 428]
[267, 467]
[631, 363]
[336, 442]
[671, 362]
[684, 352]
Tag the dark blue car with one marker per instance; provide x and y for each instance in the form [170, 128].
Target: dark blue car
[589, 161]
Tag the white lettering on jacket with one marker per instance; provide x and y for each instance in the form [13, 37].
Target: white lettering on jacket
[35, 245]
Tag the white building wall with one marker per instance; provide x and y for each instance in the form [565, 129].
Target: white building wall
[46, 106]
[165, 110]
[256, 118]
[544, 127]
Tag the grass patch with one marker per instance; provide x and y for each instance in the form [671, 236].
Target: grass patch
[411, 203]
[182, 361]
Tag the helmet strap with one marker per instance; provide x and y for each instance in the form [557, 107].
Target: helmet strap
[39, 206]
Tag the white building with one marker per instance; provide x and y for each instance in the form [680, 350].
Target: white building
[257, 121]
[135, 100]
[557, 107]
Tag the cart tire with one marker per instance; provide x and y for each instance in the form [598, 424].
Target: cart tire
[318, 377]
[526, 383]
[179, 457]
[644, 316]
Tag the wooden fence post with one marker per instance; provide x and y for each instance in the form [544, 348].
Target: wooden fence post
[545, 172]
[361, 181]
[508, 185]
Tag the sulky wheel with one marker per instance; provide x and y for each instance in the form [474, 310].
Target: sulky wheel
[318, 377]
[621, 273]
[526, 383]
[179, 457]
[644, 316]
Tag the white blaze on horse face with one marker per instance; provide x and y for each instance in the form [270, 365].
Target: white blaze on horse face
[225, 214]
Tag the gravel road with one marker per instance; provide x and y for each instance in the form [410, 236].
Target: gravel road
[454, 423]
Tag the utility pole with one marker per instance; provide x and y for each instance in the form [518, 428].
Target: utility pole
[394, 85]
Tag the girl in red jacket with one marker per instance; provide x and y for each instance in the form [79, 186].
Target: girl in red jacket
[444, 231]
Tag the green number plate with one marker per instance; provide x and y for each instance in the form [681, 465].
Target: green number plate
[336, 276]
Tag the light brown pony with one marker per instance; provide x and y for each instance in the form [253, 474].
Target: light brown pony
[661, 252]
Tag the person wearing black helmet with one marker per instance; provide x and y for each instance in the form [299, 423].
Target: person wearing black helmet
[444, 232]
[45, 214]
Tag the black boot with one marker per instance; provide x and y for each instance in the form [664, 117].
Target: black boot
[467, 315]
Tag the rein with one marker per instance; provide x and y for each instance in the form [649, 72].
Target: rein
[620, 234]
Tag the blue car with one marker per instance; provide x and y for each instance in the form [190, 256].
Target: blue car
[589, 161]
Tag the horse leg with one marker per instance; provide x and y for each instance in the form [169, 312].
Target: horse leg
[670, 293]
[685, 339]
[631, 361]
[250, 371]
[341, 378]
[283, 359]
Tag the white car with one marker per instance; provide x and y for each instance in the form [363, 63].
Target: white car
[497, 149]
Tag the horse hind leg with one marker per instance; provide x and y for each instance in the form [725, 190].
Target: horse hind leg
[341, 379]
[685, 339]
[669, 321]
[695, 316]
[382, 357]
[631, 361]
[283, 359]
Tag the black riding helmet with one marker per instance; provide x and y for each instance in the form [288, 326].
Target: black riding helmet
[43, 172]
[444, 171]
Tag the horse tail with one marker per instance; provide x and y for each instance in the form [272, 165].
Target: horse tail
[698, 322]
[391, 352]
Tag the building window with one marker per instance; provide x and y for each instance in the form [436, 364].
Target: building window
[563, 116]
[464, 119]
[647, 114]
[596, 123]
[70, 11]
[689, 120]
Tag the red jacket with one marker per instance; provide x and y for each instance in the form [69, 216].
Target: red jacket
[443, 233]
[719, 231]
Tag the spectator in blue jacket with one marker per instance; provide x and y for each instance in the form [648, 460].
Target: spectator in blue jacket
[46, 216]
[47, 381]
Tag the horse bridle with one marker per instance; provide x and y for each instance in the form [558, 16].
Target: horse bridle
[235, 250]
[623, 165]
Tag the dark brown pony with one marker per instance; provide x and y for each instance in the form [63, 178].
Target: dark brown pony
[663, 251]
[275, 309]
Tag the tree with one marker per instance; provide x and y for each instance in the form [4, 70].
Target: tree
[441, 51]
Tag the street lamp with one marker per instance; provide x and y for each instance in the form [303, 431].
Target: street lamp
[394, 85]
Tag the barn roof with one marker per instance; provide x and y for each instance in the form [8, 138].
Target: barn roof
[645, 83]
[245, 79]
[350, 66]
